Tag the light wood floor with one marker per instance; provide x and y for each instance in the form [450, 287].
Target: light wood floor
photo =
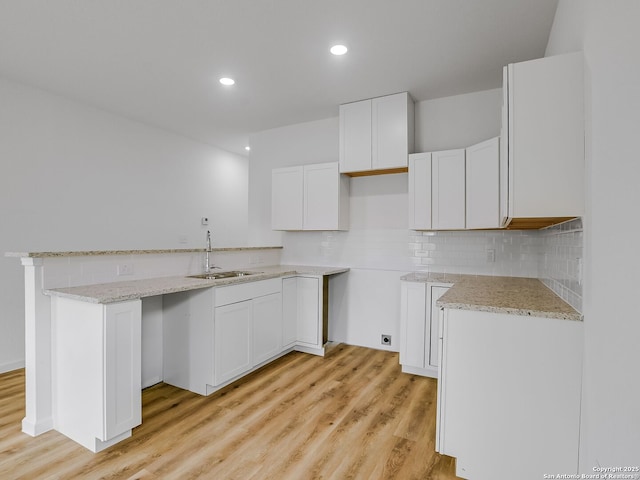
[350, 415]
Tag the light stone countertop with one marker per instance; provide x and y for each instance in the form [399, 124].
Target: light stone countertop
[511, 295]
[434, 277]
[89, 253]
[134, 289]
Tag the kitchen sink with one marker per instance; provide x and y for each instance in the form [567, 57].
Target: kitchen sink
[219, 275]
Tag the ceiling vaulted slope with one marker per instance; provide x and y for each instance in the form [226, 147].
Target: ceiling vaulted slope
[159, 61]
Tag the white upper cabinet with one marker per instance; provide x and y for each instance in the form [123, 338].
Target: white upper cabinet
[309, 197]
[545, 138]
[448, 189]
[455, 189]
[376, 135]
[420, 191]
[483, 176]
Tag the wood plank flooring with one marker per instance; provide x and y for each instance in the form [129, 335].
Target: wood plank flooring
[350, 415]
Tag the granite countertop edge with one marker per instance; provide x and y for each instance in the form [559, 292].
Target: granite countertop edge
[88, 253]
[115, 292]
[510, 295]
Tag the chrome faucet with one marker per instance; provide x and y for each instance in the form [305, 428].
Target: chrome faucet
[207, 265]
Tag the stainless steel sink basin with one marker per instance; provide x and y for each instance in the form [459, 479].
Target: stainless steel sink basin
[219, 275]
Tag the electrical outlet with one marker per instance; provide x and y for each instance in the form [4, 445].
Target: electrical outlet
[205, 220]
[125, 269]
[385, 339]
[491, 255]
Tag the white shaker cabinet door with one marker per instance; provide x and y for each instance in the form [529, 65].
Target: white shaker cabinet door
[433, 294]
[309, 310]
[321, 197]
[267, 327]
[448, 195]
[355, 136]
[413, 311]
[390, 132]
[232, 341]
[420, 191]
[123, 401]
[483, 185]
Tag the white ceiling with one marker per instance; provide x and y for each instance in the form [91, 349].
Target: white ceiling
[158, 61]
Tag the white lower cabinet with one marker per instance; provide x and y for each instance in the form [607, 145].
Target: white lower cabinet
[214, 336]
[246, 334]
[247, 327]
[419, 327]
[303, 311]
[509, 394]
[96, 370]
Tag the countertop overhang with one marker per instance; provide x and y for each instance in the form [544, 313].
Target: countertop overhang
[89, 253]
[510, 295]
[134, 289]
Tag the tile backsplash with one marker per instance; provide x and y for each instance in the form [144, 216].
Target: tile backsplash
[508, 253]
[561, 262]
[554, 254]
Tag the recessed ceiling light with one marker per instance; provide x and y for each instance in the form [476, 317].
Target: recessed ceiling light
[338, 49]
[247, 148]
[227, 81]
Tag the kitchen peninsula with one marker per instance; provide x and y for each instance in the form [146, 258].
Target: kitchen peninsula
[84, 341]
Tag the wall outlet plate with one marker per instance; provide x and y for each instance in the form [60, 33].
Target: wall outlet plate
[125, 269]
[385, 339]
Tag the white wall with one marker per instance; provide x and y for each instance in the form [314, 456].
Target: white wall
[609, 35]
[366, 302]
[458, 121]
[77, 178]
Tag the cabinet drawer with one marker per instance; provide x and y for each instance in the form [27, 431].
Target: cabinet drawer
[246, 291]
